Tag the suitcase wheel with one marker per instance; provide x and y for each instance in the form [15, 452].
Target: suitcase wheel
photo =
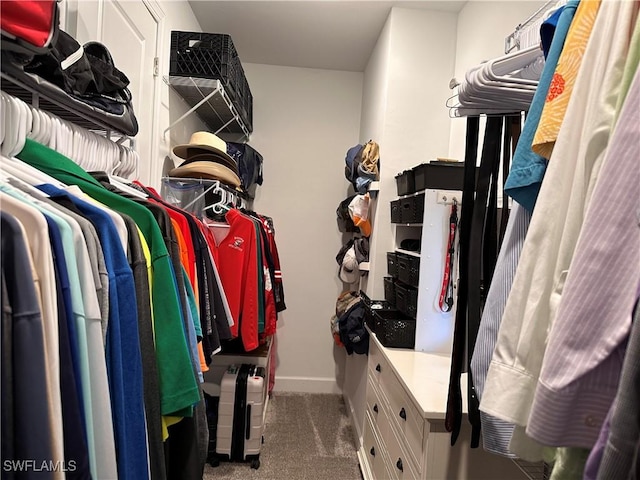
[214, 462]
[255, 463]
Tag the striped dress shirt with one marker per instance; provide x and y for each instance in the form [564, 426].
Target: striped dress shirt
[496, 433]
[556, 222]
[582, 364]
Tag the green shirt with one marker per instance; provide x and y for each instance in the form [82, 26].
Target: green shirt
[178, 387]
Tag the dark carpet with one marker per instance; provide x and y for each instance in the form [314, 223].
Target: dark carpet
[307, 437]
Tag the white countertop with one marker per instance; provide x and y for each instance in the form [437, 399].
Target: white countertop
[425, 376]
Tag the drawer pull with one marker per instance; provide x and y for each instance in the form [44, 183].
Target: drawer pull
[399, 465]
[372, 452]
[403, 414]
[378, 368]
[375, 408]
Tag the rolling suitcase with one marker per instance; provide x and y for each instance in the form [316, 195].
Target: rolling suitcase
[239, 433]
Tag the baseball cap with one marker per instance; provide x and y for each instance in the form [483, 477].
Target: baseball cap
[359, 211]
[349, 271]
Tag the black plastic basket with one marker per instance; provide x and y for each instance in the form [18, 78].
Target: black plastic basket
[212, 55]
[396, 212]
[440, 175]
[407, 299]
[412, 209]
[376, 306]
[408, 269]
[392, 264]
[394, 329]
[390, 290]
[405, 182]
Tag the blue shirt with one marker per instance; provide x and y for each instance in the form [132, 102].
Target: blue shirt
[75, 439]
[124, 362]
[528, 168]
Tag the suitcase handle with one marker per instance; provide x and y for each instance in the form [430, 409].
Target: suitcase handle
[247, 435]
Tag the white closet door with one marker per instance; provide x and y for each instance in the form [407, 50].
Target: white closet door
[129, 29]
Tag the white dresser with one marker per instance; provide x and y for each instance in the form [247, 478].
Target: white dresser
[404, 435]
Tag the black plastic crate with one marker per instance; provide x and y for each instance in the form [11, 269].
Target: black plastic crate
[396, 212]
[376, 306]
[212, 55]
[392, 264]
[405, 182]
[407, 300]
[394, 329]
[389, 290]
[440, 175]
[412, 209]
[408, 269]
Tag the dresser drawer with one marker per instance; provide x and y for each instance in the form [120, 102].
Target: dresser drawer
[404, 416]
[399, 464]
[375, 453]
[377, 362]
[376, 408]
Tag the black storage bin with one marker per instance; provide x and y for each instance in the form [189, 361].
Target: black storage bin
[212, 55]
[376, 306]
[440, 175]
[412, 209]
[394, 329]
[408, 269]
[389, 290]
[392, 264]
[407, 299]
[405, 182]
[396, 212]
[372, 306]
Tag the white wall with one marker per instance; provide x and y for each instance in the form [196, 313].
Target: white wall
[372, 125]
[481, 30]
[304, 122]
[374, 108]
[422, 45]
[178, 16]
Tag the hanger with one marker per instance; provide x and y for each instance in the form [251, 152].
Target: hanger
[88, 149]
[28, 173]
[496, 86]
[120, 184]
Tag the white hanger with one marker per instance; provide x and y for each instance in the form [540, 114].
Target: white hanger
[28, 173]
[115, 181]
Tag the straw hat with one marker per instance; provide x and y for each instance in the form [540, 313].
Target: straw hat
[206, 165]
[206, 143]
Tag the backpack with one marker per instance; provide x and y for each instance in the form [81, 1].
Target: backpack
[29, 27]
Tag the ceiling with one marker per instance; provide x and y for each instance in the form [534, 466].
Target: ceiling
[330, 34]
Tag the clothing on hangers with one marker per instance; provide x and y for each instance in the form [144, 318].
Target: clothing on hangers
[559, 344]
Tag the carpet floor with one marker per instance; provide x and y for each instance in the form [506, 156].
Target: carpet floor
[307, 437]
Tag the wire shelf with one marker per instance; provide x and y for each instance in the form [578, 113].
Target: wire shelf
[534, 470]
[208, 99]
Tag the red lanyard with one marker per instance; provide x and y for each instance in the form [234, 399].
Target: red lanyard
[446, 294]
